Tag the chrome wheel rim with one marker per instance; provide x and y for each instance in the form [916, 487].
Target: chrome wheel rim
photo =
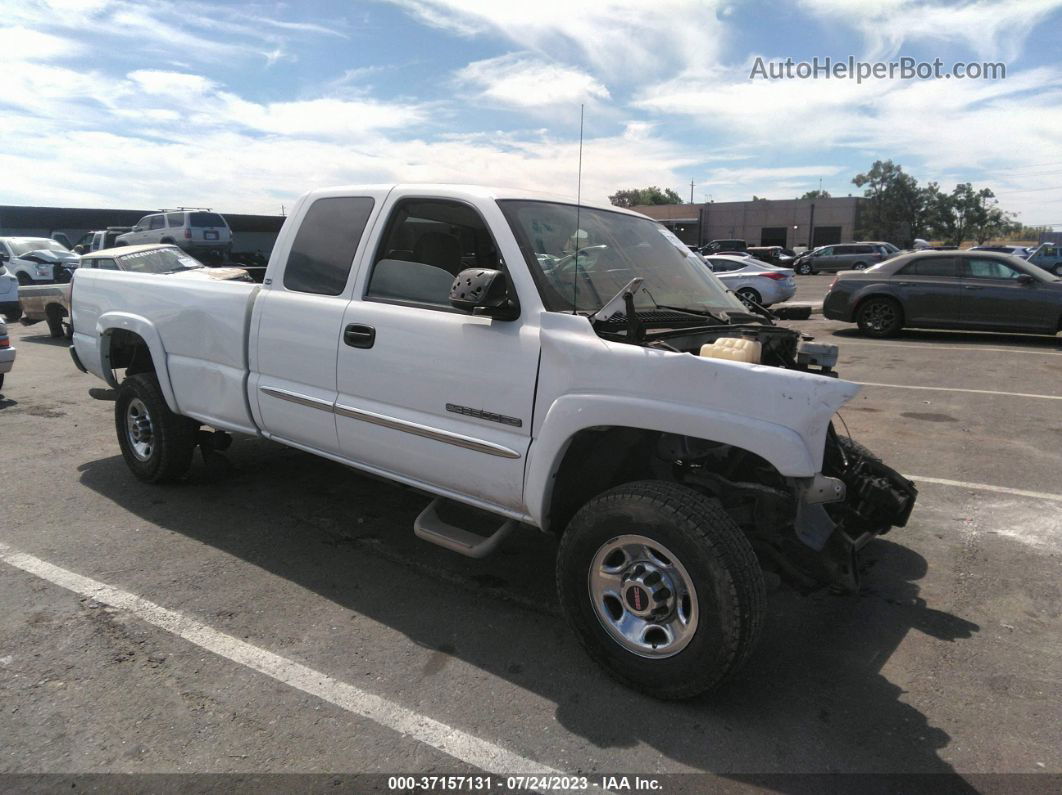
[879, 316]
[643, 596]
[748, 296]
[139, 430]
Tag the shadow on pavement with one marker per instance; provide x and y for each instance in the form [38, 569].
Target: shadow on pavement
[811, 700]
[990, 339]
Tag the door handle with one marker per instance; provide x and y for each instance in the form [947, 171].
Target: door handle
[357, 335]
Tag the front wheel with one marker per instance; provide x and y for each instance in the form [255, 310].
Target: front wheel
[749, 296]
[804, 268]
[23, 279]
[860, 266]
[156, 443]
[661, 587]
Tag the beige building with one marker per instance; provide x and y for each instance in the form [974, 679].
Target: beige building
[763, 222]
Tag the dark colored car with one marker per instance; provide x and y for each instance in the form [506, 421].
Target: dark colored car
[976, 290]
[772, 255]
[723, 247]
[843, 256]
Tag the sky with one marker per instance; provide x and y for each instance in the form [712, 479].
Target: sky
[244, 106]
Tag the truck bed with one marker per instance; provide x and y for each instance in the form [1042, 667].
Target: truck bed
[197, 326]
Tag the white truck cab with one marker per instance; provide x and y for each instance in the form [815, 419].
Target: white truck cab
[571, 368]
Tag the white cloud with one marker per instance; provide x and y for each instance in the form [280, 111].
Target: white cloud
[19, 43]
[988, 28]
[633, 39]
[528, 83]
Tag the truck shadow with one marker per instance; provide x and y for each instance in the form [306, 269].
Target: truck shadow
[813, 698]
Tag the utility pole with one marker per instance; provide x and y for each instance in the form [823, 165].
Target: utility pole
[691, 191]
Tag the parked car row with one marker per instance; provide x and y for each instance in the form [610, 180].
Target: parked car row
[980, 290]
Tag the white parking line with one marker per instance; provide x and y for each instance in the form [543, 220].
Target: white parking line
[1037, 495]
[918, 346]
[465, 747]
[956, 389]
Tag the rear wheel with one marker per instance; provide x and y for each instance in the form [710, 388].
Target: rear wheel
[860, 266]
[749, 296]
[661, 587]
[1058, 269]
[880, 317]
[2, 380]
[156, 443]
[55, 322]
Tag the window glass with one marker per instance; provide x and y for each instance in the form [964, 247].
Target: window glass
[155, 222]
[174, 219]
[429, 242]
[105, 264]
[990, 269]
[724, 265]
[825, 252]
[205, 219]
[582, 257]
[930, 266]
[325, 244]
[159, 260]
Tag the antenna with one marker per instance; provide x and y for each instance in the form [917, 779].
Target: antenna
[578, 207]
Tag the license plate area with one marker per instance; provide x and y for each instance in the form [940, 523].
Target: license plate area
[210, 235]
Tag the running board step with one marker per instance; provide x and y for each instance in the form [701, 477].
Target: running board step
[430, 527]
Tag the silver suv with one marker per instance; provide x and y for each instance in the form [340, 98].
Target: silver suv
[843, 257]
[192, 230]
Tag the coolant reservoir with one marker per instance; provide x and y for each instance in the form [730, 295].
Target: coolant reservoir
[735, 349]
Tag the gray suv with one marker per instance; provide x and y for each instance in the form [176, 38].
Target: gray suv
[843, 257]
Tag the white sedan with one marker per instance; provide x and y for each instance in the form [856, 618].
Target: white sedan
[753, 280]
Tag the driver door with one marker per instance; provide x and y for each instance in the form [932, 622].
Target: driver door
[428, 393]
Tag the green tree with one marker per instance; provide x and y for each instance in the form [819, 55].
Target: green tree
[816, 194]
[634, 197]
[966, 213]
[890, 194]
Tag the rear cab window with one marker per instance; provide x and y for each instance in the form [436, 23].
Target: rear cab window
[323, 251]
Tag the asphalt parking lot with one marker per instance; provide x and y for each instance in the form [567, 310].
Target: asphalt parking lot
[282, 617]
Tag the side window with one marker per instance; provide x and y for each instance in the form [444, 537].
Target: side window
[930, 266]
[427, 243]
[105, 264]
[143, 222]
[723, 265]
[174, 219]
[990, 269]
[826, 252]
[155, 222]
[324, 247]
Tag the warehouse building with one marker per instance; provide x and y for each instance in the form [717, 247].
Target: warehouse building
[763, 222]
[251, 234]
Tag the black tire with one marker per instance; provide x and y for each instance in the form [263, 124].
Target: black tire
[804, 268]
[859, 266]
[2, 380]
[880, 317]
[749, 294]
[23, 279]
[172, 436]
[730, 594]
[55, 323]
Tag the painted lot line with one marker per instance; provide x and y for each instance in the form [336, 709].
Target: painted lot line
[923, 346]
[462, 746]
[962, 484]
[956, 389]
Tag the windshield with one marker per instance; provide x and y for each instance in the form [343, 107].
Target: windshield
[24, 245]
[158, 260]
[612, 248]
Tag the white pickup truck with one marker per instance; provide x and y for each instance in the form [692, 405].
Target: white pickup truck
[570, 368]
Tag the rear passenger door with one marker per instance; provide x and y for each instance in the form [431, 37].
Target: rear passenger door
[298, 321]
[931, 291]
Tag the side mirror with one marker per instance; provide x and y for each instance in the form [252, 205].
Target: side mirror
[1026, 279]
[483, 292]
[137, 229]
